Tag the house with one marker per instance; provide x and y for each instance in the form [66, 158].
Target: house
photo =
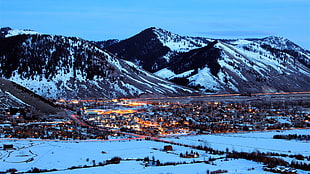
[8, 146]
[168, 148]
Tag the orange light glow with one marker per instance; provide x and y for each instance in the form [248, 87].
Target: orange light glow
[103, 112]
[75, 101]
[136, 103]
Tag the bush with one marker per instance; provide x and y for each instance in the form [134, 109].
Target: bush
[12, 170]
[114, 160]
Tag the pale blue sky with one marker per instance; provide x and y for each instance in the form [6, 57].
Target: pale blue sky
[120, 19]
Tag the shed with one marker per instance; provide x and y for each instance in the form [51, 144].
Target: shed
[168, 148]
[7, 146]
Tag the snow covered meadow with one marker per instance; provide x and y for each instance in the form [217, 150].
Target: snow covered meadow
[251, 141]
[63, 155]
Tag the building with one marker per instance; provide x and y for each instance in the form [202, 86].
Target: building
[8, 146]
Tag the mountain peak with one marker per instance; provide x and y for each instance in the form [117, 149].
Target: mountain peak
[280, 42]
[69, 67]
[276, 39]
[174, 41]
[153, 47]
[9, 32]
[155, 29]
[151, 31]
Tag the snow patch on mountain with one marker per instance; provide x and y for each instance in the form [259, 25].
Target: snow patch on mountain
[15, 32]
[165, 73]
[176, 42]
[16, 99]
[205, 79]
[228, 81]
[250, 58]
[183, 75]
[169, 74]
[227, 63]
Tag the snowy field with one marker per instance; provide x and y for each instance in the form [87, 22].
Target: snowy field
[251, 141]
[62, 155]
[235, 166]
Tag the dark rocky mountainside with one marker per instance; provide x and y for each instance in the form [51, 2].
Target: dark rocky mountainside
[153, 47]
[14, 95]
[70, 67]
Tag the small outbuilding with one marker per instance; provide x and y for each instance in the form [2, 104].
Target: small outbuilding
[8, 146]
[168, 148]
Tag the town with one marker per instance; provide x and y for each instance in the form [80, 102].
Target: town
[111, 119]
[195, 130]
[204, 117]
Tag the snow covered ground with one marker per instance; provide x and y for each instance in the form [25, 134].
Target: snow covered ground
[62, 155]
[251, 141]
[15, 32]
[236, 166]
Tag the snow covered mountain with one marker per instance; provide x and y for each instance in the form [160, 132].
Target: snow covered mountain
[153, 48]
[69, 67]
[242, 66]
[270, 64]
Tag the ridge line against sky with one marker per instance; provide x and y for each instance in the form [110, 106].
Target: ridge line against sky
[102, 20]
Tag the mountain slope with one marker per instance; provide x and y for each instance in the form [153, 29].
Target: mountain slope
[69, 67]
[234, 66]
[153, 48]
[14, 95]
[242, 66]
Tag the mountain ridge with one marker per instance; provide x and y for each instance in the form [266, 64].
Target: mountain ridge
[153, 47]
[74, 66]
[70, 67]
[186, 56]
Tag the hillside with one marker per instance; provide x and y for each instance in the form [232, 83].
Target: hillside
[153, 47]
[69, 67]
[14, 95]
[271, 64]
